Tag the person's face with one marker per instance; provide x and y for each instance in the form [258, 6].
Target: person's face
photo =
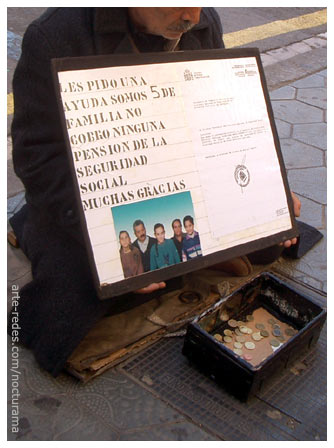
[170, 23]
[189, 227]
[177, 228]
[140, 232]
[124, 240]
[160, 234]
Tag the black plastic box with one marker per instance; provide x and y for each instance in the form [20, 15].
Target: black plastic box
[284, 303]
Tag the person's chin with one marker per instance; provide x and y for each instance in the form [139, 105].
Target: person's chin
[172, 35]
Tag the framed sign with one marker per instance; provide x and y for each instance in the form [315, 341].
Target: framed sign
[176, 162]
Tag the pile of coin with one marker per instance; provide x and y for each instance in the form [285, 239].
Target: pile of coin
[242, 339]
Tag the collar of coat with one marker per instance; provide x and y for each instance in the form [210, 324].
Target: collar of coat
[115, 20]
[112, 33]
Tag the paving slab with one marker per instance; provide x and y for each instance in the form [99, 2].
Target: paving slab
[294, 112]
[112, 407]
[312, 213]
[14, 203]
[311, 268]
[54, 417]
[312, 133]
[267, 59]
[289, 267]
[284, 93]
[316, 80]
[14, 42]
[310, 183]
[169, 432]
[315, 263]
[281, 54]
[316, 42]
[293, 69]
[285, 39]
[315, 97]
[300, 155]
[18, 264]
[284, 129]
[15, 185]
[323, 73]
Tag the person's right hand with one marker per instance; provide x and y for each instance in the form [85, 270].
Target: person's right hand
[151, 288]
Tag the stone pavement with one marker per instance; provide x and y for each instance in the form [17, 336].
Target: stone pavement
[113, 406]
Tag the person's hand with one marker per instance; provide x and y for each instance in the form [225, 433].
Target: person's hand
[151, 288]
[296, 204]
[296, 209]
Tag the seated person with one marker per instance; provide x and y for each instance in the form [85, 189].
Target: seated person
[163, 252]
[191, 246]
[143, 243]
[178, 235]
[60, 305]
[130, 256]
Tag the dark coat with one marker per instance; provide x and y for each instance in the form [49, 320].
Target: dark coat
[39, 153]
[60, 305]
[145, 256]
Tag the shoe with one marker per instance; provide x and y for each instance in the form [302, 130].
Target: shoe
[308, 237]
[239, 266]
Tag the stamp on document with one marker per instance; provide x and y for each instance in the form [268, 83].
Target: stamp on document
[241, 175]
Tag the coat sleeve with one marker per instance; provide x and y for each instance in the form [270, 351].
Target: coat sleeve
[39, 153]
[216, 28]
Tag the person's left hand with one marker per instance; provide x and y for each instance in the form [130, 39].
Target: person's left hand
[296, 209]
[151, 288]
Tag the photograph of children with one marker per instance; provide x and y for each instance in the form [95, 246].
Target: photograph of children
[191, 246]
[156, 230]
[163, 252]
[130, 256]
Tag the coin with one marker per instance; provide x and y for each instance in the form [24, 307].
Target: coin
[237, 345]
[264, 333]
[228, 332]
[271, 321]
[250, 345]
[260, 326]
[237, 332]
[276, 332]
[240, 338]
[290, 331]
[256, 336]
[240, 323]
[249, 318]
[247, 357]
[281, 338]
[237, 351]
[232, 323]
[249, 330]
[274, 343]
[218, 337]
[276, 327]
[227, 339]
[243, 330]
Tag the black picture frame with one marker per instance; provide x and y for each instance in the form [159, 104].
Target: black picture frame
[106, 291]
